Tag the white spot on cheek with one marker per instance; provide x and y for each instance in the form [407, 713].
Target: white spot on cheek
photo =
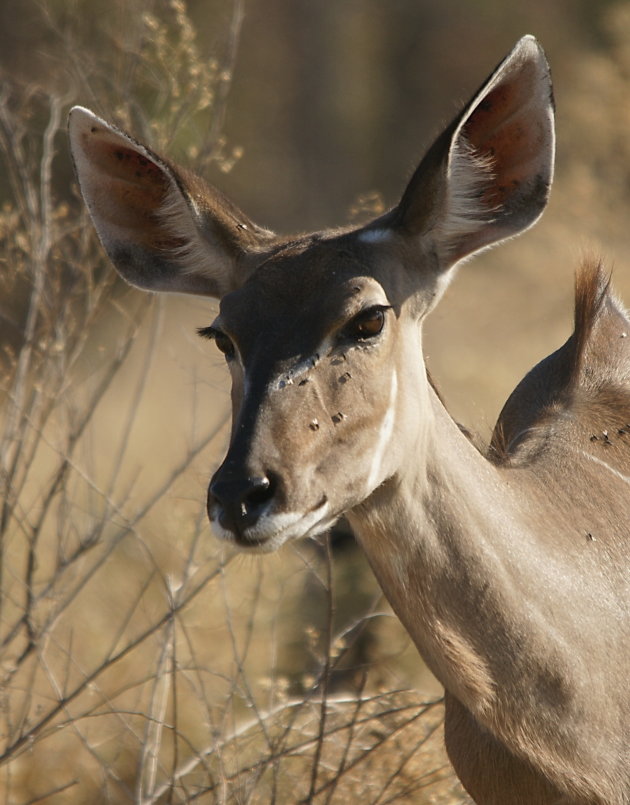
[374, 236]
[384, 436]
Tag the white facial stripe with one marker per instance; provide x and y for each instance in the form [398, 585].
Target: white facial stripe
[384, 436]
[606, 466]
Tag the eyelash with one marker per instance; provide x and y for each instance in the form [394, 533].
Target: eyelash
[206, 332]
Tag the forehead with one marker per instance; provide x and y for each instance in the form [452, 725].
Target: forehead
[308, 281]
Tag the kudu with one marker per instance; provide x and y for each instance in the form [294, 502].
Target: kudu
[509, 569]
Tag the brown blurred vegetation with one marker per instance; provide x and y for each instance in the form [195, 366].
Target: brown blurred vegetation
[139, 664]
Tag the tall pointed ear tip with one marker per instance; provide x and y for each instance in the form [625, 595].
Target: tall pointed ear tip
[528, 42]
[528, 48]
[81, 119]
[80, 114]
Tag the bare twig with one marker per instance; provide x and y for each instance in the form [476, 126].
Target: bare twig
[325, 673]
[225, 82]
[149, 756]
[35, 730]
[52, 792]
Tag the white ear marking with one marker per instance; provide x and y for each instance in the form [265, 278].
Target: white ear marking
[469, 174]
[194, 254]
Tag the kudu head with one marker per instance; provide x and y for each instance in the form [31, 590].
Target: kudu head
[321, 332]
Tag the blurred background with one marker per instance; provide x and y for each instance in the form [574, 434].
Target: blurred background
[139, 663]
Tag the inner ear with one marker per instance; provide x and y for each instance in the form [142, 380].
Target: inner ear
[131, 195]
[163, 227]
[487, 177]
[507, 140]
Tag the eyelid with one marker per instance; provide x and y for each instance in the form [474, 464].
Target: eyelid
[350, 315]
[371, 308]
[367, 310]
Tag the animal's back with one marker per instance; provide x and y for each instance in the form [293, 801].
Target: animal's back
[565, 433]
[565, 430]
[577, 400]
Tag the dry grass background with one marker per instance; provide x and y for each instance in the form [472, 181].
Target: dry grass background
[139, 662]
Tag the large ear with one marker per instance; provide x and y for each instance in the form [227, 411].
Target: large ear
[488, 176]
[164, 229]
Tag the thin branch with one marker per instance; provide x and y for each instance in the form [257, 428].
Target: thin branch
[53, 791]
[227, 73]
[298, 705]
[325, 674]
[426, 779]
[35, 730]
[341, 768]
[65, 465]
[149, 755]
[362, 756]
[74, 723]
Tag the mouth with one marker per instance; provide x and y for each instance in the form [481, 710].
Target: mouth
[271, 531]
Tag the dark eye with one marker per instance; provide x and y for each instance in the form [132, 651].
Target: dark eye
[223, 342]
[367, 324]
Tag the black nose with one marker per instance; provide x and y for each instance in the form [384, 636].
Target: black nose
[242, 501]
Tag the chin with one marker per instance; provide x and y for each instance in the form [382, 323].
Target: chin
[272, 531]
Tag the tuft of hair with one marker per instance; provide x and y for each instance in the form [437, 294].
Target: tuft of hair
[178, 214]
[592, 291]
[470, 175]
[592, 364]
[207, 230]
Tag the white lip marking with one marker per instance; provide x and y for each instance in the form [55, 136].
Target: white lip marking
[273, 530]
[384, 436]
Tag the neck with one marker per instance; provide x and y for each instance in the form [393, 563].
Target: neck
[448, 541]
[488, 594]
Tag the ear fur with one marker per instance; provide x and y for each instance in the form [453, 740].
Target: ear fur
[163, 228]
[488, 176]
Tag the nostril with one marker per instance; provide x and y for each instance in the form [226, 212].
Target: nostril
[261, 492]
[241, 500]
